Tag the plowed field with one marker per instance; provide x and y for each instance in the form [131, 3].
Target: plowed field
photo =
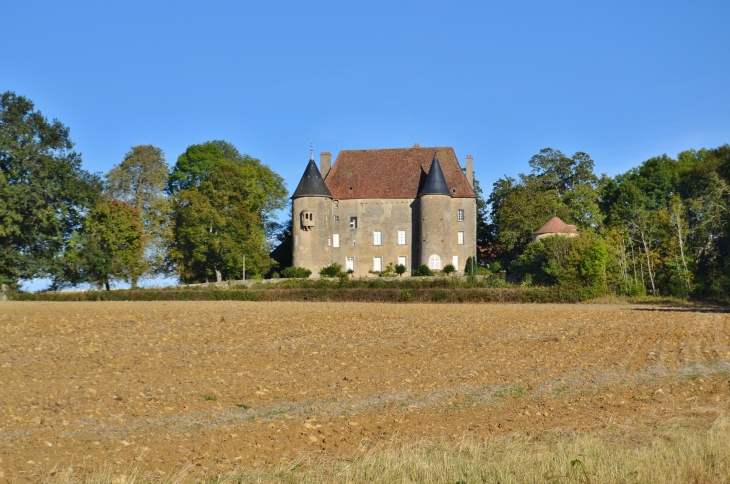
[230, 384]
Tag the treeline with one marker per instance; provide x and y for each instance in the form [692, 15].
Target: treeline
[197, 220]
[662, 228]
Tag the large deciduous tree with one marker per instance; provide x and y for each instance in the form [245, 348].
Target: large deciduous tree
[109, 247]
[140, 180]
[556, 186]
[44, 192]
[223, 207]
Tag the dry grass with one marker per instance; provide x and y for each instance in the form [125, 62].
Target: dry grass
[686, 452]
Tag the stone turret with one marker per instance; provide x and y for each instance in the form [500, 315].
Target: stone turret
[436, 226]
[312, 221]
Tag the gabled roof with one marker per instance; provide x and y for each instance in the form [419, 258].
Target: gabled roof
[556, 226]
[394, 173]
[311, 184]
[435, 183]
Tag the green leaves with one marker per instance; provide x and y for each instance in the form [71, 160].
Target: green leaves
[222, 209]
[45, 193]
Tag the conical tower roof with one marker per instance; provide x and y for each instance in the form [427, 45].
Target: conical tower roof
[435, 183]
[311, 184]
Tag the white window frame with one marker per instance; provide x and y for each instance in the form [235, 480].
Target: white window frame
[377, 264]
[460, 237]
[403, 260]
[434, 262]
[401, 237]
[377, 237]
[455, 262]
[335, 240]
[349, 263]
[353, 222]
[460, 215]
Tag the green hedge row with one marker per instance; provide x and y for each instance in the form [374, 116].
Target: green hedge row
[393, 295]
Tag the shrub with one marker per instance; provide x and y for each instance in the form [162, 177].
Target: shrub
[495, 267]
[389, 271]
[471, 268]
[332, 270]
[275, 275]
[449, 268]
[296, 272]
[423, 270]
[400, 269]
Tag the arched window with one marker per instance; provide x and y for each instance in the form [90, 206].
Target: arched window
[434, 262]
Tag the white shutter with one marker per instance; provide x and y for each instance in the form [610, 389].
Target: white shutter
[461, 238]
[336, 240]
[377, 264]
[455, 262]
[402, 261]
[350, 264]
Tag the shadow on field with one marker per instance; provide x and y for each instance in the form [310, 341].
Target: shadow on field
[685, 309]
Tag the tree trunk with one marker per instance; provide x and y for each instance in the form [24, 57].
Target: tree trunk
[218, 276]
[134, 283]
[106, 285]
[648, 262]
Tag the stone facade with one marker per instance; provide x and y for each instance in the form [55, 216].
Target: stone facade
[366, 233]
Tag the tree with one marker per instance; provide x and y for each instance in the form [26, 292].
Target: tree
[400, 269]
[108, 248]
[44, 192]
[222, 218]
[556, 186]
[140, 180]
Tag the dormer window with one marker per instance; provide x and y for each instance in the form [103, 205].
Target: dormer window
[307, 220]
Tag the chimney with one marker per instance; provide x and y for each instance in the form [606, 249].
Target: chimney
[470, 169]
[325, 162]
[416, 145]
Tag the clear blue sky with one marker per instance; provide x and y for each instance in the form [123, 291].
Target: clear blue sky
[622, 81]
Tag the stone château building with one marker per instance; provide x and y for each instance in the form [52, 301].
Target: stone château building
[407, 206]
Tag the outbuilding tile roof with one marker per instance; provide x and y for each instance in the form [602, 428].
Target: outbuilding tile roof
[393, 173]
[556, 226]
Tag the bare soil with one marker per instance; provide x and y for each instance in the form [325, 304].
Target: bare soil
[231, 384]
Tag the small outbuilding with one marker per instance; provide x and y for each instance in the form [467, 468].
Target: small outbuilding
[555, 226]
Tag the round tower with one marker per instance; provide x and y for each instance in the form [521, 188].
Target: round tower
[435, 224]
[312, 221]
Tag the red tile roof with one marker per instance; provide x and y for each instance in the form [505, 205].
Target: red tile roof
[556, 226]
[393, 173]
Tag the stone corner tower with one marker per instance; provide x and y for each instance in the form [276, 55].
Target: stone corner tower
[435, 214]
[312, 221]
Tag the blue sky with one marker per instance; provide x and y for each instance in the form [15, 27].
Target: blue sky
[622, 81]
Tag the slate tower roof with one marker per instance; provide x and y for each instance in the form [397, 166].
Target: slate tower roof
[435, 183]
[311, 184]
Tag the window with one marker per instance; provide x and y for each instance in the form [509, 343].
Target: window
[461, 238]
[377, 238]
[296, 240]
[353, 222]
[455, 262]
[349, 263]
[335, 240]
[460, 215]
[434, 262]
[401, 237]
[377, 264]
[337, 204]
[402, 261]
[337, 218]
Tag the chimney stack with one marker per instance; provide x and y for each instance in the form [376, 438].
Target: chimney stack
[325, 162]
[470, 169]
